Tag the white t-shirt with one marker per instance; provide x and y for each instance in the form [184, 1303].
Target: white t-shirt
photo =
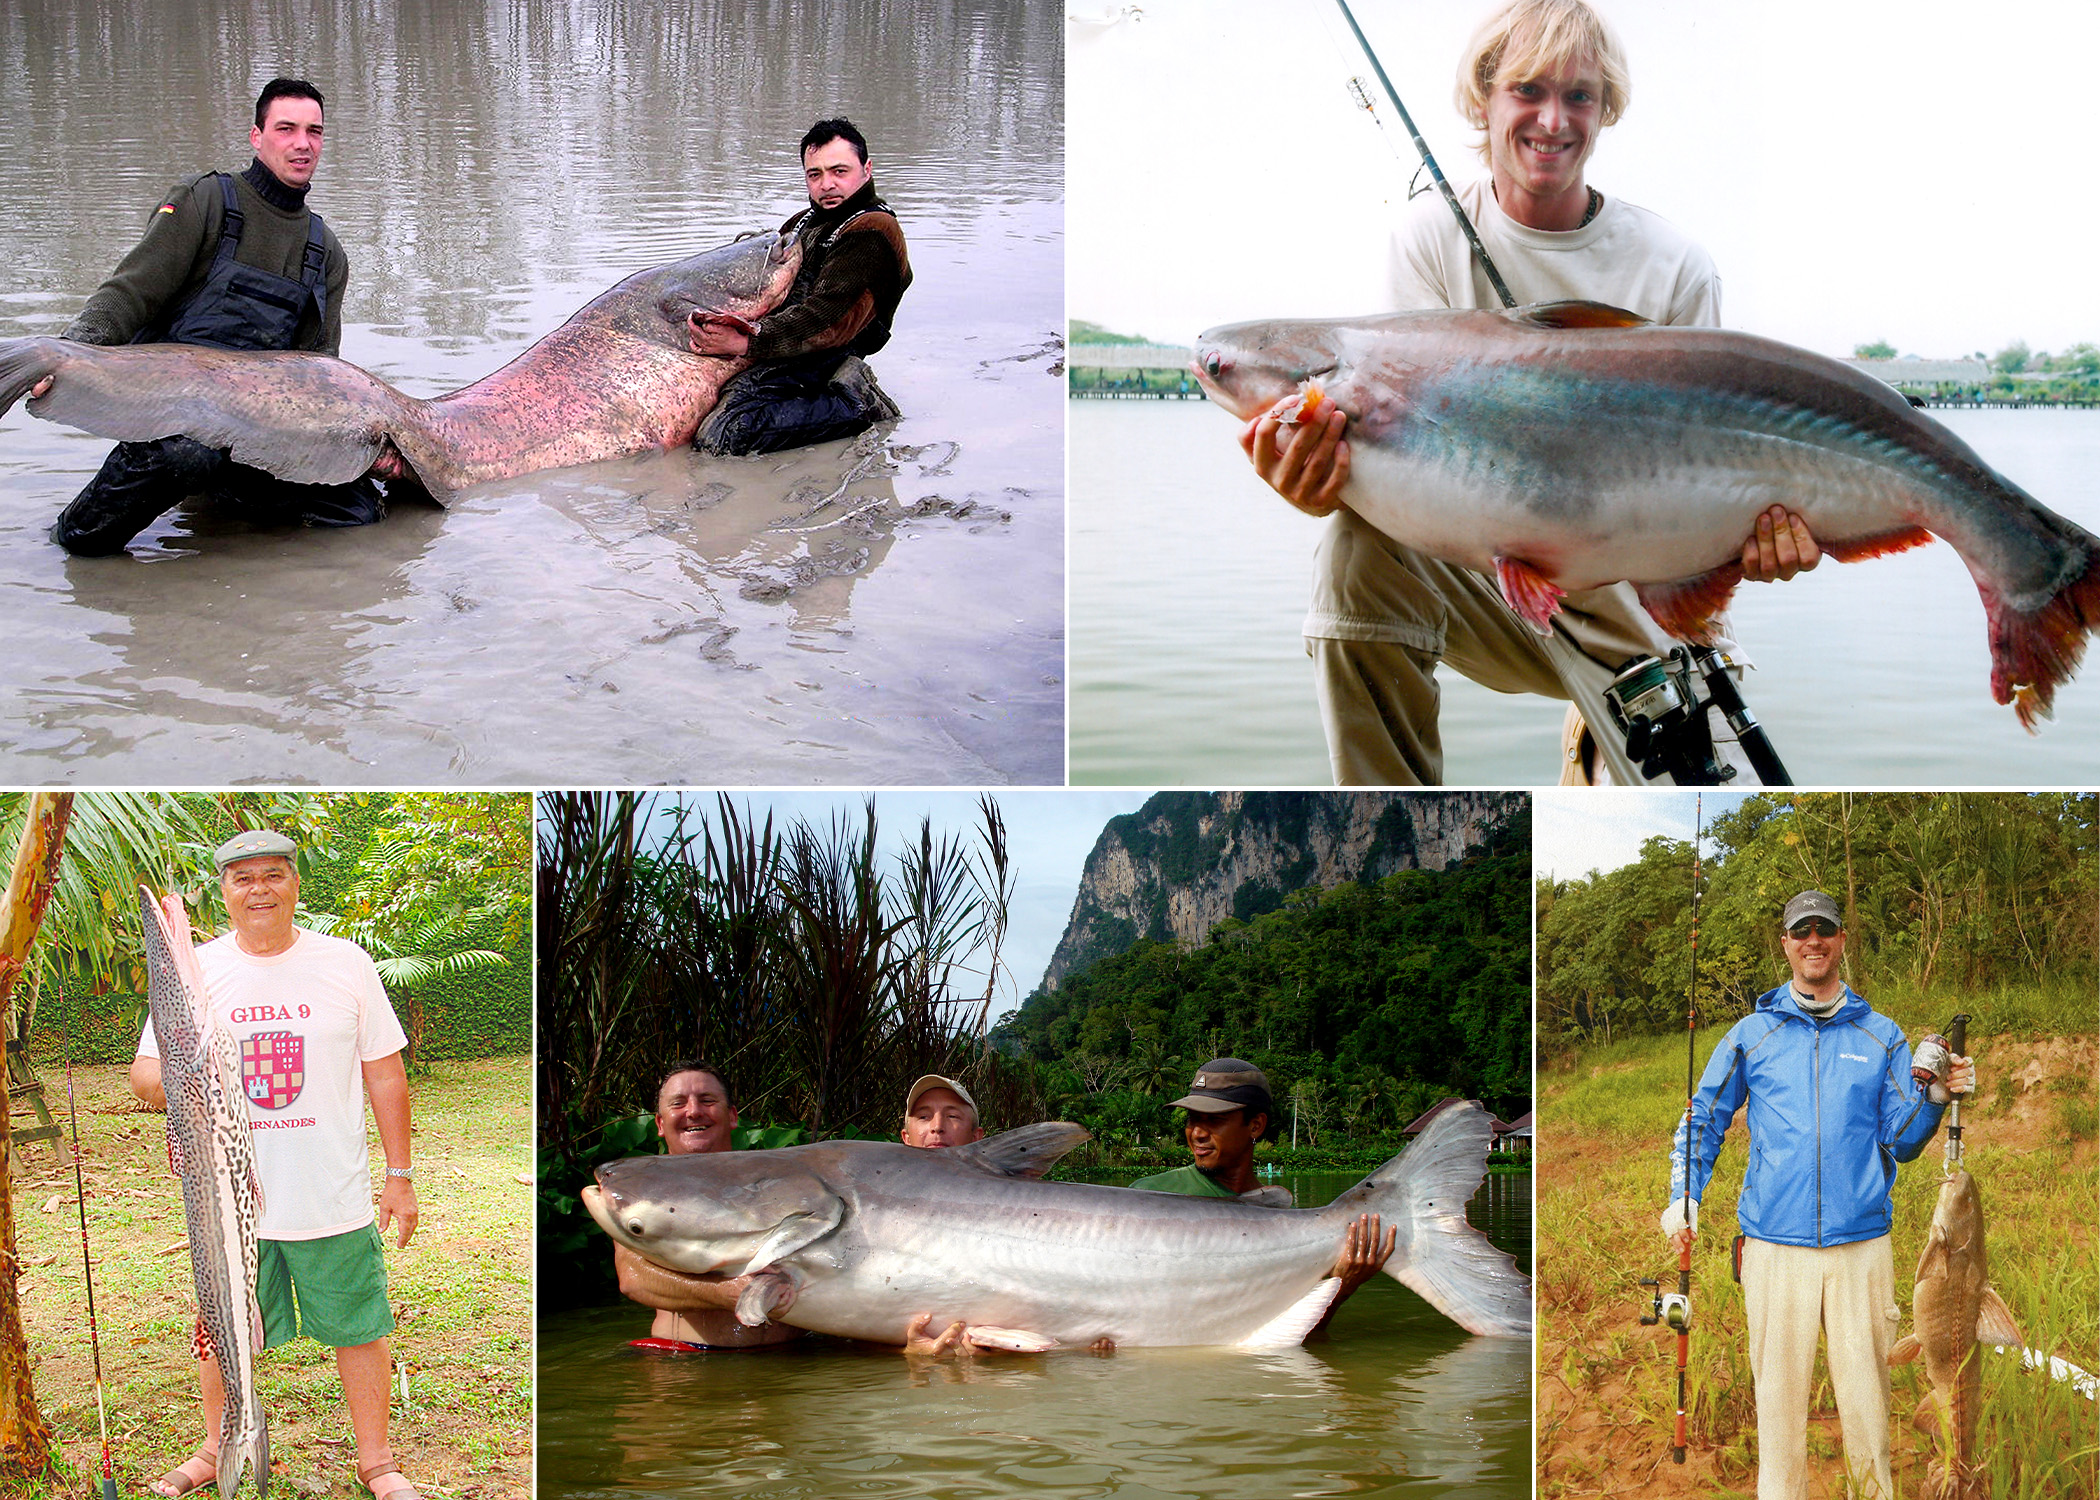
[1626, 256]
[306, 1020]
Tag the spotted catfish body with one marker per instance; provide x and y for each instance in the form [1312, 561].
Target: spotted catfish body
[1954, 1312]
[208, 1136]
[618, 377]
[1568, 445]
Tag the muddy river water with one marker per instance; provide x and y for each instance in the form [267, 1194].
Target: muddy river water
[1396, 1400]
[881, 610]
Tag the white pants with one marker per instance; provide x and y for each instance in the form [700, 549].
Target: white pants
[1848, 1292]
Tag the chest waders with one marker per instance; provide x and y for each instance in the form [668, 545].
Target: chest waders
[238, 307]
[241, 306]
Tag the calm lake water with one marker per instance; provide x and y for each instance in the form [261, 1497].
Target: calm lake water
[1396, 1400]
[888, 611]
[1190, 580]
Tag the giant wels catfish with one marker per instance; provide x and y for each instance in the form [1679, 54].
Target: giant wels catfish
[857, 1237]
[618, 377]
[209, 1137]
[1954, 1312]
[1566, 445]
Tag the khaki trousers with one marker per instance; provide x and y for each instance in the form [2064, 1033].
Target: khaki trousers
[1382, 617]
[1848, 1292]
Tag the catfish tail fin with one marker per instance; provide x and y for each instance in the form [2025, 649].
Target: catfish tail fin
[1422, 1192]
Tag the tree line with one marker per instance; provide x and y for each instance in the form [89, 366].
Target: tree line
[1965, 891]
[1364, 1003]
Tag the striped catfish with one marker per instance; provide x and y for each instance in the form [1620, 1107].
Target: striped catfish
[1568, 444]
[208, 1134]
[857, 1237]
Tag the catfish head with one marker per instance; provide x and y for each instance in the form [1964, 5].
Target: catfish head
[729, 1212]
[1249, 367]
[743, 279]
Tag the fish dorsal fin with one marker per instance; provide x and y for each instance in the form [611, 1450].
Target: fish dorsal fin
[1275, 1195]
[795, 1232]
[1287, 1330]
[1994, 1321]
[1029, 1151]
[1576, 315]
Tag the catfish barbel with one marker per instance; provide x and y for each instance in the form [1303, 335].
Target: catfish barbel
[619, 377]
[857, 1237]
[1567, 445]
[208, 1133]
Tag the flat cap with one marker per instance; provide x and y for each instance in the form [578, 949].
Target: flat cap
[253, 844]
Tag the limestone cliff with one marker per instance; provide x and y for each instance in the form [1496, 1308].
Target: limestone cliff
[1186, 860]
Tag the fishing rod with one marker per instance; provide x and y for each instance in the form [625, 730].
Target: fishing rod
[1675, 1309]
[87, 1269]
[1436, 172]
[1957, 1046]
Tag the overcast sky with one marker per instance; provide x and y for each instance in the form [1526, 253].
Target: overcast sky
[1049, 834]
[1857, 170]
[1577, 830]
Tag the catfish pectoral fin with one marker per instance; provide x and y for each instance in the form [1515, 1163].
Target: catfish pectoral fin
[1686, 606]
[1535, 597]
[305, 418]
[1994, 1321]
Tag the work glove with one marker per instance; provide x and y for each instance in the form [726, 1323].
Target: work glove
[1673, 1217]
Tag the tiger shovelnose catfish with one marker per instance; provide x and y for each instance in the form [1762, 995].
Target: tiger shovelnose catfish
[208, 1137]
[619, 377]
[857, 1237]
[1566, 445]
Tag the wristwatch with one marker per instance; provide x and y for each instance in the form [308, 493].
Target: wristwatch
[400, 1171]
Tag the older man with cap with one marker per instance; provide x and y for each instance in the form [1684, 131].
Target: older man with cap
[1833, 1108]
[317, 1037]
[1226, 1112]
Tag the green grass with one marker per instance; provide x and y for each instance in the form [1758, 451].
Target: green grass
[461, 1293]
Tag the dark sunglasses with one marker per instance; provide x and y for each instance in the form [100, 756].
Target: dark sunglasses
[1822, 927]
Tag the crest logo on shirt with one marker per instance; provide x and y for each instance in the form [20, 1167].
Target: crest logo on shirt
[273, 1068]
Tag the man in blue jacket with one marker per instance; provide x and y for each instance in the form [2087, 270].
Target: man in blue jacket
[1832, 1109]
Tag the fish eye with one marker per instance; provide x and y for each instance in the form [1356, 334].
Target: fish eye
[634, 1226]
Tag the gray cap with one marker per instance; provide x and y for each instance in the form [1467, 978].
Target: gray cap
[1811, 904]
[1226, 1083]
[254, 844]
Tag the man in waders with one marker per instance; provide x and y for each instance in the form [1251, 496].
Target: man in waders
[235, 262]
[693, 1115]
[809, 381]
[1539, 79]
[1832, 1109]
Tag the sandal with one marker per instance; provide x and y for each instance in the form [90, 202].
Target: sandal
[179, 1481]
[402, 1491]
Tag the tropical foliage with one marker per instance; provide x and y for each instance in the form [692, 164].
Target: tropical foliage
[1364, 1004]
[1964, 893]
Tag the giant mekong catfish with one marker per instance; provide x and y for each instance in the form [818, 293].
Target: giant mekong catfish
[1566, 445]
[618, 377]
[858, 1237]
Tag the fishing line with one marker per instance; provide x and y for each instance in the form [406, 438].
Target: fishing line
[87, 1268]
[1436, 173]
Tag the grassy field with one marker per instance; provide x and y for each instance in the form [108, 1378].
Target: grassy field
[461, 1290]
[1607, 1386]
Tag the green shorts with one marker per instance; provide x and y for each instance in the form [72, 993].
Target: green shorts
[331, 1289]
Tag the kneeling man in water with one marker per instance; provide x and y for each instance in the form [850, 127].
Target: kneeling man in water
[809, 381]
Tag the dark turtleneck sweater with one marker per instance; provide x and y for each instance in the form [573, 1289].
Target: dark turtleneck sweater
[168, 266]
[846, 293]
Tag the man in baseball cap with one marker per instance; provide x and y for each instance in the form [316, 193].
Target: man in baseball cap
[1832, 1107]
[939, 1112]
[1226, 1112]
